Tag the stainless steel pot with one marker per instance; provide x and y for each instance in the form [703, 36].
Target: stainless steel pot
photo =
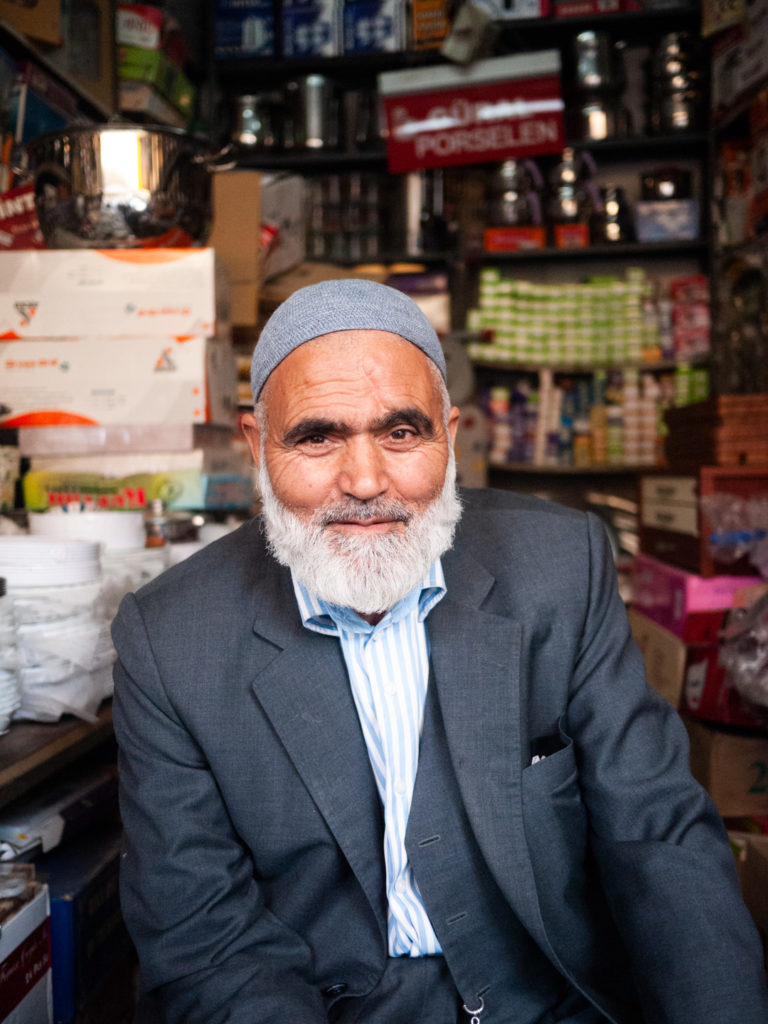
[121, 186]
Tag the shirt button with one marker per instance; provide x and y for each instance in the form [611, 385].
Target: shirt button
[401, 885]
[400, 787]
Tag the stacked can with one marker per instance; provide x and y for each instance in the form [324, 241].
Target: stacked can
[604, 321]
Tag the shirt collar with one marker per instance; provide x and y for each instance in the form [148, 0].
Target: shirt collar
[323, 617]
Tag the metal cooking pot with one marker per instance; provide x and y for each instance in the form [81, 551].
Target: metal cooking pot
[121, 186]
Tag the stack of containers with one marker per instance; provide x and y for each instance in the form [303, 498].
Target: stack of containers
[120, 377]
[10, 689]
[63, 650]
[604, 321]
[588, 420]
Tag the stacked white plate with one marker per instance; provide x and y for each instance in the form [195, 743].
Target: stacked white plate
[27, 561]
[117, 530]
[10, 691]
[61, 633]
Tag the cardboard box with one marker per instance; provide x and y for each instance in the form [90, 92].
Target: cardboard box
[155, 68]
[179, 489]
[39, 103]
[664, 655]
[709, 695]
[111, 293]
[93, 381]
[311, 29]
[87, 53]
[666, 220]
[373, 26]
[219, 461]
[243, 203]
[513, 10]
[689, 676]
[133, 437]
[430, 23]
[25, 964]
[732, 767]
[244, 30]
[688, 605]
[139, 25]
[753, 875]
[245, 304]
[38, 19]
[88, 935]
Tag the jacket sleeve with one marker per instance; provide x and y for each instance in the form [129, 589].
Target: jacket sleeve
[661, 847]
[209, 949]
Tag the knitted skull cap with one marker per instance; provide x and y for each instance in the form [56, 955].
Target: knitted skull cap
[340, 305]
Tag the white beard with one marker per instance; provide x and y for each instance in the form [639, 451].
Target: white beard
[367, 574]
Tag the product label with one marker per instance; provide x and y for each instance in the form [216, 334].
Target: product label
[513, 239]
[429, 23]
[24, 968]
[571, 236]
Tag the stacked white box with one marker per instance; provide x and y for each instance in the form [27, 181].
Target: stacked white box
[119, 339]
[25, 964]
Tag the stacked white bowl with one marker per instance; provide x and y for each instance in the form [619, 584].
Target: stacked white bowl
[64, 652]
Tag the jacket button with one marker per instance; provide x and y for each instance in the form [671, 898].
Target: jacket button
[335, 990]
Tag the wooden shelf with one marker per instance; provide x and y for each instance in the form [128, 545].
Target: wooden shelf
[513, 35]
[31, 752]
[529, 467]
[20, 48]
[574, 368]
[330, 160]
[670, 250]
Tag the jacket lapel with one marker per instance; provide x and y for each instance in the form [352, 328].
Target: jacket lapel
[475, 657]
[305, 693]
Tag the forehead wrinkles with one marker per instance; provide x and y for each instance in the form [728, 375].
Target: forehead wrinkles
[339, 366]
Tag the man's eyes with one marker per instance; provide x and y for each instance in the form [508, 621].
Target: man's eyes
[403, 433]
[396, 435]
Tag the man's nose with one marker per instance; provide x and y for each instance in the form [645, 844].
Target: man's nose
[363, 472]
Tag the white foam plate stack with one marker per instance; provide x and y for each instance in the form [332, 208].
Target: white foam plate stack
[62, 635]
[116, 530]
[27, 561]
[10, 689]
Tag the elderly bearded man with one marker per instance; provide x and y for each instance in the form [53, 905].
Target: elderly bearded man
[389, 757]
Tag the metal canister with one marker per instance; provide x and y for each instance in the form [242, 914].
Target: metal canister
[252, 125]
[595, 62]
[319, 127]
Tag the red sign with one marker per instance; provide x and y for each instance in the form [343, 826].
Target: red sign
[494, 110]
[19, 227]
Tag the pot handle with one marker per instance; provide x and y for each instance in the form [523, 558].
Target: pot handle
[217, 161]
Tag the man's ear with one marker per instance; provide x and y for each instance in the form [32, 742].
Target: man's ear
[453, 423]
[252, 431]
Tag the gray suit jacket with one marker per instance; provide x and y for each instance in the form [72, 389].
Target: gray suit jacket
[252, 879]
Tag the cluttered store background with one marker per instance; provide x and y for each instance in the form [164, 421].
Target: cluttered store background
[576, 194]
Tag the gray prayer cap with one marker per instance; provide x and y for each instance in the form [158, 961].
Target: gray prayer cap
[340, 305]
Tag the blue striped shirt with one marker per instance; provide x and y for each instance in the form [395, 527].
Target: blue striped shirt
[388, 667]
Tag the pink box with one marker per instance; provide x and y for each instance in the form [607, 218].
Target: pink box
[688, 605]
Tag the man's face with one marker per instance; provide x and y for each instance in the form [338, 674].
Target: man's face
[356, 468]
[354, 415]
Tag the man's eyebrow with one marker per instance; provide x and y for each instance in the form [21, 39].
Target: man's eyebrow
[314, 425]
[411, 417]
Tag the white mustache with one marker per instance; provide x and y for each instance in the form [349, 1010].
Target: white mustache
[364, 511]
